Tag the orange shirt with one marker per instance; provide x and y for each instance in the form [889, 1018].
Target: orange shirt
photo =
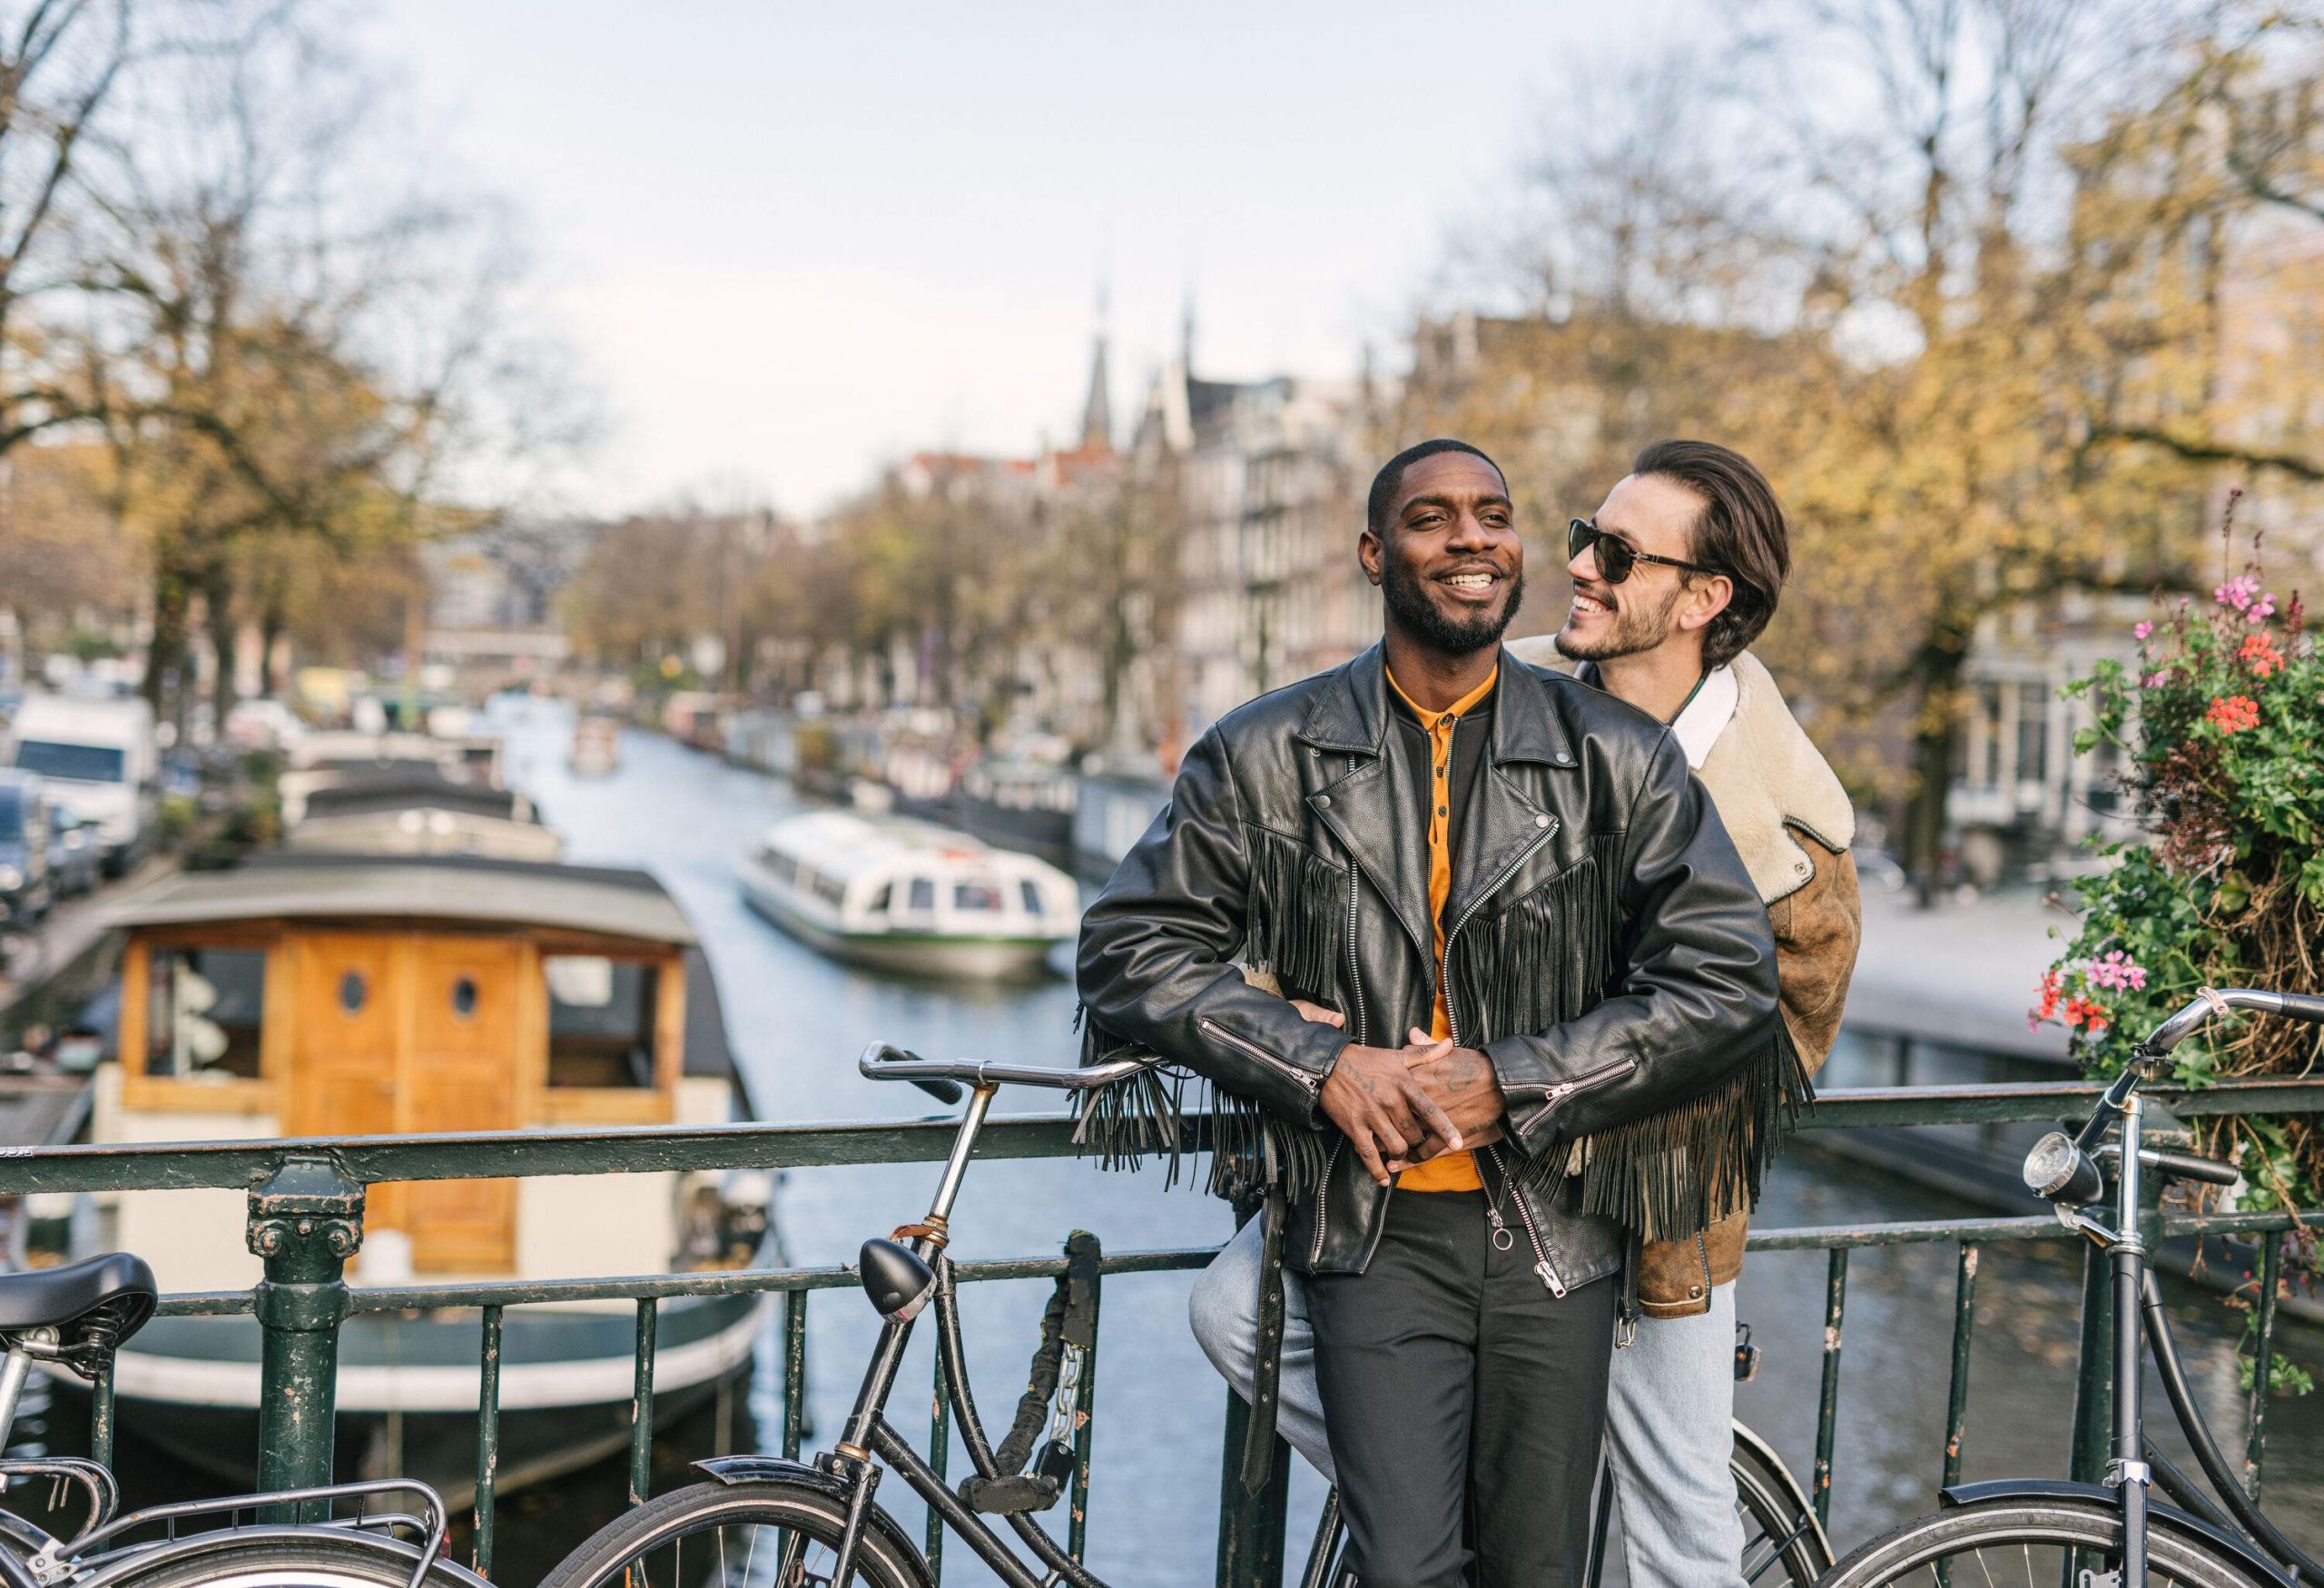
[1449, 1171]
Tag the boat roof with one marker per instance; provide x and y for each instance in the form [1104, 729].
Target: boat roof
[842, 845]
[606, 900]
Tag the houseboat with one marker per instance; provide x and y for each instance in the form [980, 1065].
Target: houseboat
[332, 993]
[897, 895]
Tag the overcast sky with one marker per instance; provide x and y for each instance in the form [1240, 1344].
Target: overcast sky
[790, 243]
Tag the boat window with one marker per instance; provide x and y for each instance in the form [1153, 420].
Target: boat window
[12, 816]
[352, 992]
[830, 890]
[1029, 892]
[600, 1021]
[781, 865]
[924, 892]
[975, 896]
[464, 997]
[879, 905]
[203, 1012]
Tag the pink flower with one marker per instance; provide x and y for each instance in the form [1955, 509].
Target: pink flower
[2261, 610]
[2237, 592]
[2141, 631]
[2152, 681]
[2118, 971]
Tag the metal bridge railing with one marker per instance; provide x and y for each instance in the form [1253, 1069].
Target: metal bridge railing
[305, 1219]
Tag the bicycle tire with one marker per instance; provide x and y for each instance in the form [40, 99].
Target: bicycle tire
[1771, 1502]
[885, 1558]
[1957, 1539]
[315, 1559]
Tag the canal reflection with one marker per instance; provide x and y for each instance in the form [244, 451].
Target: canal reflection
[797, 1020]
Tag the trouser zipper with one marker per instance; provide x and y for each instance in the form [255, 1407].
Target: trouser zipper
[1542, 1268]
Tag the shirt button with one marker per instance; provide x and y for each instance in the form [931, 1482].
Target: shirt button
[1440, 810]
[1540, 820]
[1565, 758]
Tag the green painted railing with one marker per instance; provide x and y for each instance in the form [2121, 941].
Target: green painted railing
[305, 1219]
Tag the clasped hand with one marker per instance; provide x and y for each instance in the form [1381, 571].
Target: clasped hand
[1403, 1106]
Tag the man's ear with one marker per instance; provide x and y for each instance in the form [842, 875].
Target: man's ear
[1705, 601]
[1368, 552]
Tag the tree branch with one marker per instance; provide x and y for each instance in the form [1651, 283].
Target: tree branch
[2199, 449]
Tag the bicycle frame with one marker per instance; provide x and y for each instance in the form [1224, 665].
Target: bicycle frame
[869, 1441]
[2059, 1169]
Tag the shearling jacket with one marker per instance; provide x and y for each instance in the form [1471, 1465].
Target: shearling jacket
[1792, 823]
[1604, 948]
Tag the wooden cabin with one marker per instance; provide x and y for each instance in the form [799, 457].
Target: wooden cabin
[324, 994]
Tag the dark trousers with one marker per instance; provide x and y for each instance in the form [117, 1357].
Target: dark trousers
[1465, 1404]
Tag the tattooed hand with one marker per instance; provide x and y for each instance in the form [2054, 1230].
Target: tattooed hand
[1463, 1085]
[1375, 1096]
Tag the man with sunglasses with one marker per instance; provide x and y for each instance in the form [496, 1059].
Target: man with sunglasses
[1530, 943]
[1676, 575]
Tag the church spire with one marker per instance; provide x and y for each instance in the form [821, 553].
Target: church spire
[1097, 413]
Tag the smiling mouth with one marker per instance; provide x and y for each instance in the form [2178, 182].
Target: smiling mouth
[1589, 605]
[1472, 585]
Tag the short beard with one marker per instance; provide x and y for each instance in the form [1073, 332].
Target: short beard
[1417, 615]
[1636, 629]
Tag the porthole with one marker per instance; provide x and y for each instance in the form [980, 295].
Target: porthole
[352, 992]
[464, 997]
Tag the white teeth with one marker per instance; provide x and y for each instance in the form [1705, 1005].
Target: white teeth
[1587, 604]
[1471, 581]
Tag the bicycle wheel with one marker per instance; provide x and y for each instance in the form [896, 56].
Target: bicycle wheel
[280, 1560]
[1781, 1541]
[774, 1534]
[2032, 1542]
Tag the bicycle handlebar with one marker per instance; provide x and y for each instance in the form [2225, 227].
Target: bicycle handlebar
[943, 1078]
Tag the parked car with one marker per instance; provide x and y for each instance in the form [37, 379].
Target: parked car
[75, 853]
[98, 754]
[28, 888]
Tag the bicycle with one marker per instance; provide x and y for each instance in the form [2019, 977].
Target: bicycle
[2111, 1534]
[824, 1525]
[75, 1317]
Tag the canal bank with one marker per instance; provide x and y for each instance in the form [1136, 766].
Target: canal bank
[797, 1020]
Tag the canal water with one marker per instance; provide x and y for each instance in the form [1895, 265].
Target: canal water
[797, 1021]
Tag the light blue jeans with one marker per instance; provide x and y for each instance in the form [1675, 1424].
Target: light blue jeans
[1668, 1416]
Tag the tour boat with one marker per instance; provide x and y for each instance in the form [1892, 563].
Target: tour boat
[596, 747]
[898, 894]
[321, 993]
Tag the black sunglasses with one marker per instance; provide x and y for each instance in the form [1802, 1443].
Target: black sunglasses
[1617, 557]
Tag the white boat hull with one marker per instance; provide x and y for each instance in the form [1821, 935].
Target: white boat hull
[933, 954]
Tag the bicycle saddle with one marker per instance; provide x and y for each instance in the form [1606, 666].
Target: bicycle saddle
[93, 1306]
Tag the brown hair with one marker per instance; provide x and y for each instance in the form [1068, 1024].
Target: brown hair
[1740, 533]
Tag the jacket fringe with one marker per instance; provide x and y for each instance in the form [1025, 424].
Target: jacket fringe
[1298, 915]
[1676, 1173]
[1549, 957]
[1122, 1123]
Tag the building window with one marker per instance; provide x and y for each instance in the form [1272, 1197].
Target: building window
[600, 1021]
[2033, 733]
[203, 1012]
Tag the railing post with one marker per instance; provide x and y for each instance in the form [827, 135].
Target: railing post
[1250, 1526]
[306, 1220]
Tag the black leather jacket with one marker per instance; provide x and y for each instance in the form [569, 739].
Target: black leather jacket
[1604, 948]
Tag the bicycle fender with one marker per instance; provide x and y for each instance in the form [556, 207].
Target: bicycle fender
[738, 1470]
[1792, 1491]
[770, 1469]
[2233, 1546]
[112, 1563]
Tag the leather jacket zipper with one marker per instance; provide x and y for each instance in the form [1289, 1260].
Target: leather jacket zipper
[1242, 1045]
[1445, 970]
[1354, 1000]
[1558, 1092]
[1324, 1200]
[1542, 1269]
